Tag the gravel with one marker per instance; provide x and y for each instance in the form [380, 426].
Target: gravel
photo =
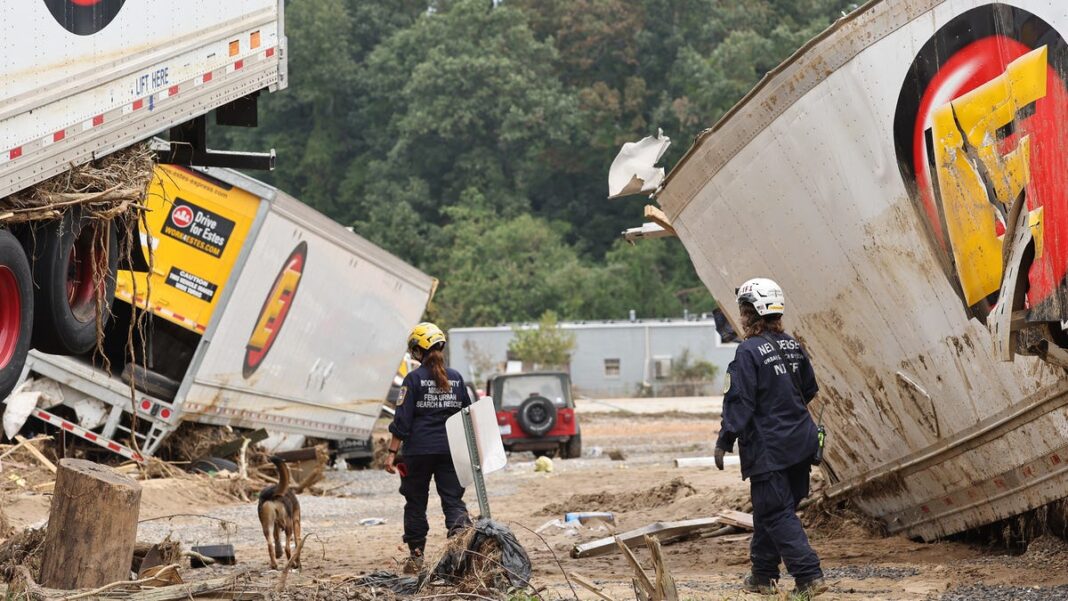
[870, 571]
[1005, 593]
[318, 515]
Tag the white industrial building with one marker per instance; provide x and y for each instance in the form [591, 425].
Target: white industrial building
[611, 359]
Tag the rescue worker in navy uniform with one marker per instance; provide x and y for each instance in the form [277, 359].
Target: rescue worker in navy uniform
[767, 389]
[429, 395]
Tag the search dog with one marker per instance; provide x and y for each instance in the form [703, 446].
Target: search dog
[279, 512]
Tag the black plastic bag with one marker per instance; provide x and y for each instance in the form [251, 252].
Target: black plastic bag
[401, 585]
[514, 565]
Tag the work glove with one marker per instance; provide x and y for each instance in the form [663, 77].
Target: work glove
[719, 457]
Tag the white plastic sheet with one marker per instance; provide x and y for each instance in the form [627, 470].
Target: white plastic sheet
[487, 438]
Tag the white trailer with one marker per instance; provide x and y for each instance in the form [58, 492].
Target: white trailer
[85, 78]
[296, 326]
[903, 176]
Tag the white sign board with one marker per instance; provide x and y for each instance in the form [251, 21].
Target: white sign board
[487, 438]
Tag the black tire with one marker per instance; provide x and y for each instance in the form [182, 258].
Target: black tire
[64, 272]
[16, 311]
[572, 449]
[213, 465]
[146, 380]
[537, 416]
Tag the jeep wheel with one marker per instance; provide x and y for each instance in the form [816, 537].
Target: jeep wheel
[537, 416]
[572, 449]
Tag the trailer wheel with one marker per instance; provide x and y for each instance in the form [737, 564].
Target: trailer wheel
[69, 273]
[146, 380]
[16, 311]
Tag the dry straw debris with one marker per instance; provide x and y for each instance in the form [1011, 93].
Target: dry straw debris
[108, 188]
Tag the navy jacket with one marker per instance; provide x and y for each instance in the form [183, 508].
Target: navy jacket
[422, 409]
[762, 408]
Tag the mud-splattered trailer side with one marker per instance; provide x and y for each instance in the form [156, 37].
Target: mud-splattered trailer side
[903, 177]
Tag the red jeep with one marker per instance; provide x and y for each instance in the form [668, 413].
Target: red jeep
[536, 413]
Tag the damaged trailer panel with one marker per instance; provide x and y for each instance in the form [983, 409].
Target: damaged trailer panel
[904, 177]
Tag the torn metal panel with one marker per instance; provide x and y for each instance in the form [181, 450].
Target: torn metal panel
[905, 175]
[647, 231]
[634, 169]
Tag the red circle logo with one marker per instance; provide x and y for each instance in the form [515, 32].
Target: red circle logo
[182, 216]
[980, 129]
[84, 17]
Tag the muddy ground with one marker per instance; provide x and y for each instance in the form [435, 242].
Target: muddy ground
[643, 488]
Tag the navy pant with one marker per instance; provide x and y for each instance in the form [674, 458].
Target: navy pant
[416, 490]
[777, 531]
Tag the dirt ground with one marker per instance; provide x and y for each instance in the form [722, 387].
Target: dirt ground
[643, 488]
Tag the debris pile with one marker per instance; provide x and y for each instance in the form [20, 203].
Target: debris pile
[105, 189]
[483, 561]
[22, 550]
[657, 496]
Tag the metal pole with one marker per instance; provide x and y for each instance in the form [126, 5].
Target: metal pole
[476, 463]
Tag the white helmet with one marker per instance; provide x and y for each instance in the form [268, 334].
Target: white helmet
[765, 295]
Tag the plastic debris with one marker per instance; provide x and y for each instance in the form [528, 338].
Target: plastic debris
[488, 537]
[585, 517]
[543, 464]
[487, 552]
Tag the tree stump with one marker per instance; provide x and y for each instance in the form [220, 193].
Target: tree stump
[92, 527]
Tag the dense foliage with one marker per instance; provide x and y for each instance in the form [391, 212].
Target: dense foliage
[475, 141]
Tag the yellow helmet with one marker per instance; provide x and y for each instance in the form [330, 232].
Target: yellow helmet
[425, 336]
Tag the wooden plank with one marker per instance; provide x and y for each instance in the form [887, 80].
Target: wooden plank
[658, 217]
[665, 583]
[14, 447]
[297, 455]
[183, 591]
[231, 447]
[642, 578]
[664, 530]
[639, 592]
[736, 538]
[736, 518]
[590, 586]
[36, 453]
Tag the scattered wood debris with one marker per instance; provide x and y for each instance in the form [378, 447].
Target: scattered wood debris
[664, 530]
[725, 523]
[736, 518]
[661, 587]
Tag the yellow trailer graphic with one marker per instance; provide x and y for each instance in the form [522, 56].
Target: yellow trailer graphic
[197, 226]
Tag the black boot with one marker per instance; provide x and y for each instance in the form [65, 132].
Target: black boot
[758, 584]
[809, 589]
[414, 563]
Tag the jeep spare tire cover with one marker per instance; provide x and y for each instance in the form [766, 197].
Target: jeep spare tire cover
[537, 415]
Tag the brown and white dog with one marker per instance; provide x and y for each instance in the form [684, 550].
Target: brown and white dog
[279, 512]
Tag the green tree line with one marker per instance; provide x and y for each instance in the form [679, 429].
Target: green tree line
[474, 141]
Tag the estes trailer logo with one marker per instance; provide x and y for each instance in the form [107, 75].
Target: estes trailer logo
[275, 309]
[84, 17]
[981, 130]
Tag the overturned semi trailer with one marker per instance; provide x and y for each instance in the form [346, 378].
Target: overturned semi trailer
[904, 176]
